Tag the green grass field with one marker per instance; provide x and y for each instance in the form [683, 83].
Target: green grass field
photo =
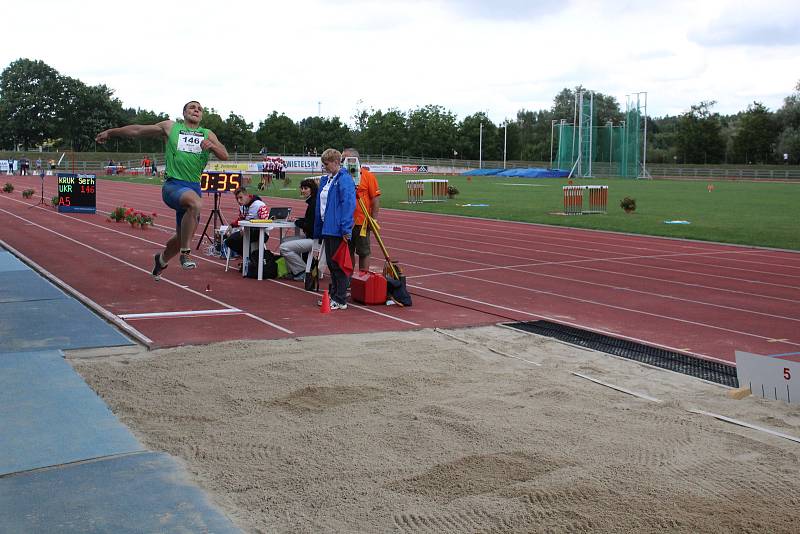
[762, 214]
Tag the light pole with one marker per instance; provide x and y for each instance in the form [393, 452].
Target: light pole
[480, 148]
[552, 130]
[319, 109]
[505, 143]
[644, 144]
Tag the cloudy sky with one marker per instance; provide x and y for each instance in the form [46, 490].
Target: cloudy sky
[301, 57]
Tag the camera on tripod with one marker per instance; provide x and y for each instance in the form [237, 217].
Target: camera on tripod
[353, 166]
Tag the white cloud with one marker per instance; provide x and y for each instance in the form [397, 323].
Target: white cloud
[468, 56]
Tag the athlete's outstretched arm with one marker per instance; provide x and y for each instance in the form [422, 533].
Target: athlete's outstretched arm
[160, 129]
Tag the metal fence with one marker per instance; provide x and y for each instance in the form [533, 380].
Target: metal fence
[736, 173]
[599, 169]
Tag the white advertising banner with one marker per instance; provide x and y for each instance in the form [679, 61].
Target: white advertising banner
[309, 164]
[402, 169]
[313, 165]
[382, 168]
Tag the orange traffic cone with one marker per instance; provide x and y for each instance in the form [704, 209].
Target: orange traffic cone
[326, 303]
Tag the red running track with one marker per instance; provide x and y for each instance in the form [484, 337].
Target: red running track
[703, 299]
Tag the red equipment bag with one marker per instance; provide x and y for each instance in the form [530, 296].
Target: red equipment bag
[368, 287]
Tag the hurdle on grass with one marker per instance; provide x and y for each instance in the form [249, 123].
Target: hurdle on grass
[595, 196]
[416, 190]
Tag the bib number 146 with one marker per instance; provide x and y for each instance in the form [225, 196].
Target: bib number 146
[189, 142]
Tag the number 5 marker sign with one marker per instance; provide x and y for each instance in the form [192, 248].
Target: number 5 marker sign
[769, 377]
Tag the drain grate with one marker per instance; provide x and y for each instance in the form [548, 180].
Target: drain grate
[665, 359]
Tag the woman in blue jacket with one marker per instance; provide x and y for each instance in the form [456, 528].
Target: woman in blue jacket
[336, 202]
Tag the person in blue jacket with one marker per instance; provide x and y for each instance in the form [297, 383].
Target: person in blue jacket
[336, 202]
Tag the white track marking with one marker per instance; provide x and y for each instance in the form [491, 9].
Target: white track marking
[136, 267]
[518, 267]
[622, 288]
[83, 299]
[215, 262]
[745, 424]
[297, 288]
[618, 388]
[188, 313]
[612, 334]
[675, 257]
[651, 314]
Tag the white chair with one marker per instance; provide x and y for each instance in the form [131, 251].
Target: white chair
[228, 254]
[224, 249]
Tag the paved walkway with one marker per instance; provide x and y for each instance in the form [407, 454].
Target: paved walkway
[67, 464]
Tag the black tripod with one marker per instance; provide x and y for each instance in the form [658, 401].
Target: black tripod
[41, 202]
[215, 216]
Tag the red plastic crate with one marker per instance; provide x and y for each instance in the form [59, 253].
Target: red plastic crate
[368, 288]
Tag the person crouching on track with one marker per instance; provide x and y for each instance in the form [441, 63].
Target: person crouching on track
[333, 224]
[293, 247]
[250, 207]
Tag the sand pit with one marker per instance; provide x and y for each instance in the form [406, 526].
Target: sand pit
[419, 432]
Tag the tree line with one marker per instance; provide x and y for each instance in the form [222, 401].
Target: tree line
[41, 107]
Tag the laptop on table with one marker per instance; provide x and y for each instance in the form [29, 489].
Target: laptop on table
[279, 214]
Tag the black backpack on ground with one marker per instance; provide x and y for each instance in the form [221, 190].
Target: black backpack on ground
[270, 269]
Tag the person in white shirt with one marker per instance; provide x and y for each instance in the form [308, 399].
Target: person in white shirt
[250, 207]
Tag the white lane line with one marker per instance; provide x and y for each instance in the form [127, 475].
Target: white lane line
[617, 388]
[273, 325]
[674, 257]
[188, 313]
[583, 326]
[569, 297]
[518, 268]
[490, 349]
[374, 312]
[136, 267]
[364, 308]
[619, 239]
[658, 295]
[612, 306]
[745, 424]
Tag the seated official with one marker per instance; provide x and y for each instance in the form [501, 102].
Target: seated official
[250, 207]
[294, 247]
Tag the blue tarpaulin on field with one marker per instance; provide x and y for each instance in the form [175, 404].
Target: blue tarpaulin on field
[481, 172]
[531, 172]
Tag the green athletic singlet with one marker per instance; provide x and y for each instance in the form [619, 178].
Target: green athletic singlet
[185, 159]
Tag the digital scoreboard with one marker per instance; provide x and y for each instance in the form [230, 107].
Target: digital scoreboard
[77, 193]
[220, 182]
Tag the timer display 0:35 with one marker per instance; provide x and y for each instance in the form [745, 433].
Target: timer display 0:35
[220, 181]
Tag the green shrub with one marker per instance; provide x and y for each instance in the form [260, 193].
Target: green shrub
[628, 204]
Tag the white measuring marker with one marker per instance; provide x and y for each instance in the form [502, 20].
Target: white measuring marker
[769, 376]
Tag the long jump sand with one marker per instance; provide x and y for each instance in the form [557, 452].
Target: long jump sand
[419, 432]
